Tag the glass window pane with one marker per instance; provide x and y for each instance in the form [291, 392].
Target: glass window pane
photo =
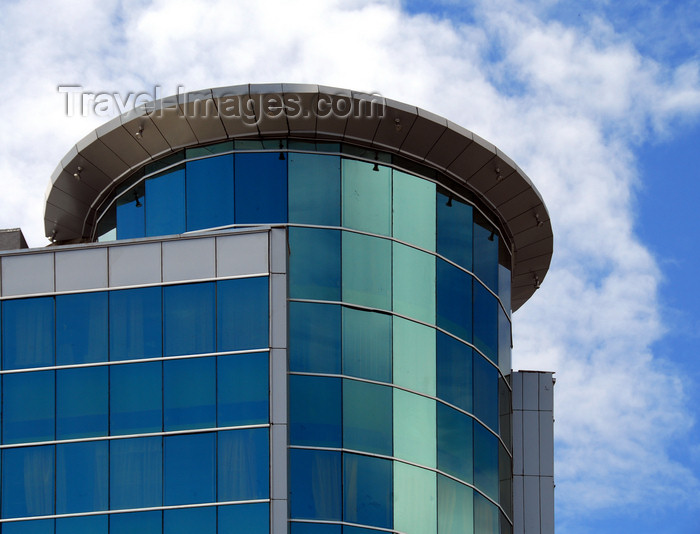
[367, 344]
[260, 188]
[208, 150]
[82, 525]
[28, 407]
[244, 518]
[414, 428]
[414, 283]
[454, 230]
[81, 402]
[136, 398]
[189, 520]
[136, 323]
[504, 290]
[486, 311]
[314, 264]
[316, 528]
[28, 481]
[414, 356]
[504, 342]
[315, 484]
[366, 270]
[454, 372]
[131, 214]
[314, 189]
[315, 411]
[242, 389]
[485, 515]
[454, 300]
[486, 254]
[139, 522]
[455, 507]
[486, 461]
[135, 473]
[209, 192]
[28, 333]
[363, 429]
[81, 477]
[415, 499]
[367, 496]
[165, 207]
[38, 526]
[189, 393]
[485, 391]
[81, 328]
[366, 197]
[314, 337]
[190, 469]
[189, 326]
[414, 210]
[455, 443]
[243, 314]
[244, 464]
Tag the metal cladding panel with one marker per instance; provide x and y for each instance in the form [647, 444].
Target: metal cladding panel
[270, 111]
[171, 123]
[534, 265]
[139, 125]
[61, 218]
[121, 142]
[490, 176]
[508, 188]
[424, 133]
[364, 114]
[76, 189]
[535, 250]
[236, 110]
[527, 200]
[97, 153]
[302, 102]
[473, 158]
[450, 145]
[88, 174]
[394, 125]
[330, 125]
[203, 116]
[531, 235]
[70, 201]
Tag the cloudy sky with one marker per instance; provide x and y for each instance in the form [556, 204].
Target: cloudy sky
[600, 105]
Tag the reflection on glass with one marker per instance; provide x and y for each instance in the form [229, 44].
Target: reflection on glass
[485, 514]
[28, 407]
[38, 526]
[82, 471]
[96, 524]
[189, 326]
[486, 253]
[367, 344]
[315, 484]
[485, 391]
[242, 389]
[190, 469]
[27, 481]
[165, 211]
[414, 356]
[366, 270]
[135, 473]
[414, 283]
[414, 428]
[454, 300]
[189, 393]
[81, 402]
[454, 230]
[131, 214]
[135, 323]
[136, 398]
[455, 443]
[209, 192]
[454, 372]
[244, 464]
[414, 210]
[242, 314]
[455, 508]
[366, 197]
[28, 333]
[486, 310]
[486, 461]
[415, 499]
[81, 328]
[367, 495]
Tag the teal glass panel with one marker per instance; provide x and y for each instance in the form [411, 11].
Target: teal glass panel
[209, 191]
[28, 407]
[137, 522]
[455, 443]
[415, 499]
[189, 326]
[486, 254]
[243, 464]
[165, 208]
[504, 283]
[131, 214]
[189, 393]
[189, 467]
[189, 520]
[82, 406]
[135, 473]
[314, 189]
[136, 398]
[28, 333]
[455, 507]
[164, 162]
[414, 210]
[315, 489]
[244, 518]
[504, 342]
[315, 411]
[315, 528]
[217, 148]
[367, 344]
[136, 323]
[314, 264]
[366, 270]
[367, 495]
[414, 283]
[81, 328]
[415, 433]
[486, 461]
[260, 188]
[82, 471]
[314, 337]
[414, 356]
[96, 524]
[38, 526]
[454, 300]
[242, 314]
[485, 391]
[485, 324]
[366, 197]
[364, 429]
[107, 225]
[454, 230]
[28, 481]
[454, 372]
[485, 515]
[242, 392]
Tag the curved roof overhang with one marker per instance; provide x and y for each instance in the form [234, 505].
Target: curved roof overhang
[108, 155]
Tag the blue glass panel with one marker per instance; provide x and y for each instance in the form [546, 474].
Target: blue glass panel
[244, 518]
[136, 523]
[28, 407]
[314, 264]
[96, 524]
[485, 515]
[190, 469]
[243, 314]
[242, 389]
[454, 372]
[367, 339]
[81, 328]
[316, 528]
[82, 471]
[365, 429]
[485, 391]
[136, 323]
[314, 189]
[454, 230]
[209, 192]
[28, 333]
[135, 473]
[188, 521]
[315, 411]
[28, 481]
[38, 526]
[486, 461]
[136, 398]
[367, 495]
[314, 337]
[455, 443]
[189, 326]
[131, 214]
[315, 484]
[81, 402]
[454, 300]
[486, 255]
[358, 530]
[504, 342]
[189, 393]
[165, 207]
[455, 507]
[486, 310]
[244, 464]
[260, 188]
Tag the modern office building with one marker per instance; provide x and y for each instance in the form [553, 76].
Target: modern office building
[276, 309]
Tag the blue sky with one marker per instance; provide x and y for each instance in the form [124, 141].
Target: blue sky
[598, 102]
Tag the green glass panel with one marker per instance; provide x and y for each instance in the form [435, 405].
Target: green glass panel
[455, 507]
[414, 428]
[414, 283]
[367, 344]
[314, 189]
[366, 270]
[414, 210]
[367, 429]
[366, 197]
[415, 499]
[414, 356]
[485, 515]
